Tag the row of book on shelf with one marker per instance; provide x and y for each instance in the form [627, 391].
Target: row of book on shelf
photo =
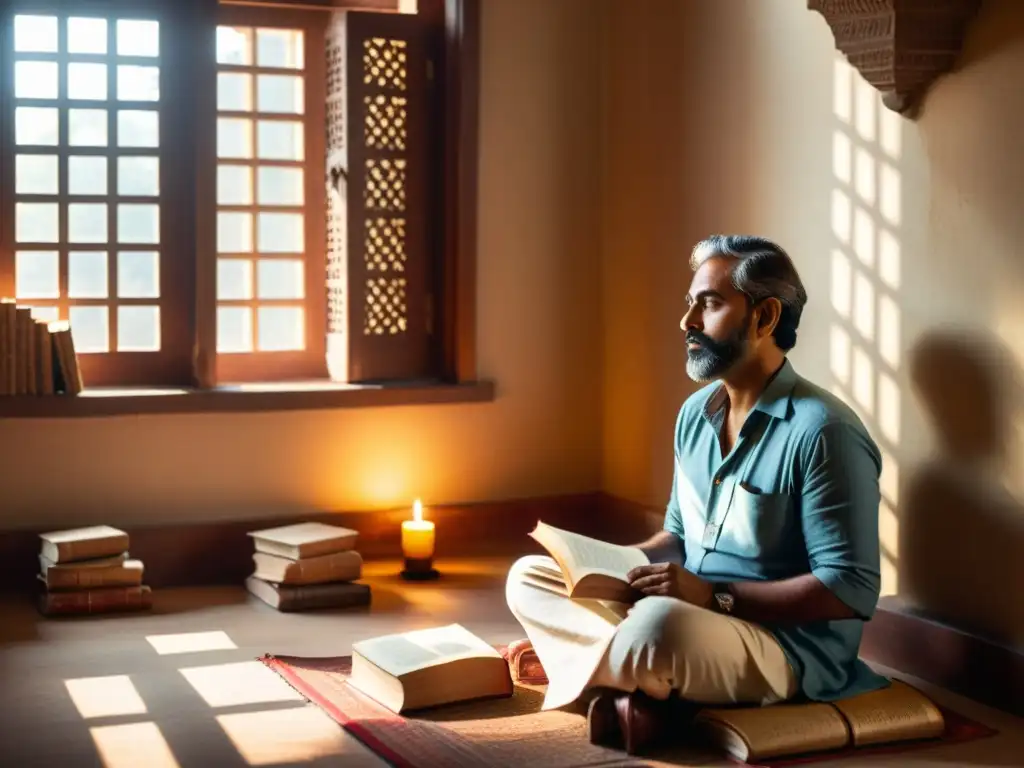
[295, 567]
[36, 357]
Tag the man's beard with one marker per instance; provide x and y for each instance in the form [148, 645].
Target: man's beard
[713, 358]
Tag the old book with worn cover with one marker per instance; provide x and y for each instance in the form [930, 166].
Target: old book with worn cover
[587, 568]
[302, 597]
[427, 668]
[119, 573]
[323, 569]
[83, 543]
[302, 540]
[105, 600]
[893, 714]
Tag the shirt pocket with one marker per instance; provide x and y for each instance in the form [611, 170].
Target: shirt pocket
[755, 523]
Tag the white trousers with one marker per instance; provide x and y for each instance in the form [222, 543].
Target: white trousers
[658, 645]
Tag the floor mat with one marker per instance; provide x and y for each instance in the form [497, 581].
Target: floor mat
[509, 732]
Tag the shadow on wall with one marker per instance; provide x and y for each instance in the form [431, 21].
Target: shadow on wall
[962, 532]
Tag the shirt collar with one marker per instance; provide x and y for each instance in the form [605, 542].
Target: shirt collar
[774, 401]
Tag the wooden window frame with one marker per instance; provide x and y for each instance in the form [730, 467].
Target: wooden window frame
[455, 32]
[310, 361]
[170, 364]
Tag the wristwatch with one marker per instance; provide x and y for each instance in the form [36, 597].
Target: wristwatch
[724, 600]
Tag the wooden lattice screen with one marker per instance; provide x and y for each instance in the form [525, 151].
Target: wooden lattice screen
[378, 254]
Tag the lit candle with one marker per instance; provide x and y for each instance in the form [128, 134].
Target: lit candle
[418, 544]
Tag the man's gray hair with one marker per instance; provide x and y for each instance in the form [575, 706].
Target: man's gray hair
[763, 270]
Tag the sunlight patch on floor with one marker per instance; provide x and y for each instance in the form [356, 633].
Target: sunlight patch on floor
[133, 745]
[109, 696]
[244, 682]
[291, 736]
[191, 642]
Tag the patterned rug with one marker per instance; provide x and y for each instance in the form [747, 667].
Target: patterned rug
[508, 732]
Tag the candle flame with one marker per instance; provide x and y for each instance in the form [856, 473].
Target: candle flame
[417, 511]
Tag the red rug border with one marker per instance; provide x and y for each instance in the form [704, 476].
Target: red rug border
[383, 751]
[351, 726]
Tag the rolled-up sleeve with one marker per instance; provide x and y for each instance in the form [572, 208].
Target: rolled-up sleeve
[839, 515]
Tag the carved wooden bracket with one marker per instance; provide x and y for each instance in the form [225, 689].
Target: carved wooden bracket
[899, 46]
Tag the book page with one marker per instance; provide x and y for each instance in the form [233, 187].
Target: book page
[781, 729]
[897, 713]
[578, 555]
[407, 652]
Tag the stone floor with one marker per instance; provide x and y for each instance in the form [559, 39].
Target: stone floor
[179, 686]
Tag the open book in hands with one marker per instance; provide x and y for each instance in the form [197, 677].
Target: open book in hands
[587, 568]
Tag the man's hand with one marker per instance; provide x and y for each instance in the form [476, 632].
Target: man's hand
[671, 580]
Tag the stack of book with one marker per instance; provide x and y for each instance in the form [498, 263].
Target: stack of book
[307, 565]
[36, 357]
[87, 570]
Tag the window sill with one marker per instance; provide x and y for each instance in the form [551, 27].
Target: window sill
[240, 398]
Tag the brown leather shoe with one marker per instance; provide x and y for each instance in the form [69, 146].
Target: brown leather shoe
[633, 722]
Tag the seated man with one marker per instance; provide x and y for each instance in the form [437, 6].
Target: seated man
[768, 563]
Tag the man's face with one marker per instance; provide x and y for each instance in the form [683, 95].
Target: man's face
[716, 322]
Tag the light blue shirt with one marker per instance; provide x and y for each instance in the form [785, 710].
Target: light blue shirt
[797, 494]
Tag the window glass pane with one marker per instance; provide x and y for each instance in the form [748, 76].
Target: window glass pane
[234, 137]
[280, 186]
[138, 329]
[234, 92]
[87, 81]
[46, 314]
[35, 79]
[138, 128]
[234, 329]
[36, 126]
[281, 233]
[280, 140]
[234, 46]
[280, 329]
[87, 222]
[234, 232]
[87, 175]
[36, 175]
[36, 223]
[87, 274]
[138, 274]
[138, 38]
[234, 185]
[87, 35]
[279, 48]
[35, 34]
[234, 279]
[90, 329]
[138, 83]
[280, 279]
[36, 275]
[138, 176]
[138, 223]
[279, 93]
[87, 127]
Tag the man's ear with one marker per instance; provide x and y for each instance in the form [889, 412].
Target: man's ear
[768, 314]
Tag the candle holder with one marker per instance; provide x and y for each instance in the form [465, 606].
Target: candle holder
[419, 569]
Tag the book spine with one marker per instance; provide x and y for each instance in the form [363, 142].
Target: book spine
[346, 567]
[92, 578]
[90, 549]
[96, 601]
[305, 598]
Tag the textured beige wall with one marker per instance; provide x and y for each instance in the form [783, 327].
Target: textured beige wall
[908, 235]
[539, 338]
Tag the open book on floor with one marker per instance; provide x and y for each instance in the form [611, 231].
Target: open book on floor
[427, 668]
[587, 568]
[894, 714]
